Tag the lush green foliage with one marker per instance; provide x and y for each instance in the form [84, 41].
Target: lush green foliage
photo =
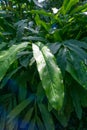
[43, 64]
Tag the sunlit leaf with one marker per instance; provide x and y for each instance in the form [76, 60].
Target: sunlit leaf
[50, 75]
[8, 57]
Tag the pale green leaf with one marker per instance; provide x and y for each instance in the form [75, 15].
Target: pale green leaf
[50, 75]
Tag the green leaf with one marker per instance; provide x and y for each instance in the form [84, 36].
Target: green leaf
[34, 38]
[75, 59]
[63, 116]
[32, 124]
[22, 84]
[54, 47]
[62, 59]
[42, 12]
[76, 102]
[50, 75]
[40, 124]
[8, 76]
[27, 117]
[40, 93]
[81, 8]
[8, 57]
[2, 118]
[57, 35]
[2, 45]
[18, 109]
[46, 117]
[78, 69]
[42, 23]
[67, 5]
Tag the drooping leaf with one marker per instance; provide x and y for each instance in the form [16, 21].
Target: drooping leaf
[74, 60]
[27, 118]
[46, 117]
[42, 12]
[32, 124]
[18, 109]
[64, 115]
[40, 124]
[8, 57]
[2, 118]
[81, 8]
[50, 75]
[22, 84]
[8, 76]
[54, 47]
[77, 69]
[62, 59]
[76, 102]
[42, 23]
[40, 93]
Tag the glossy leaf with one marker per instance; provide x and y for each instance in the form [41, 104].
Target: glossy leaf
[8, 57]
[50, 75]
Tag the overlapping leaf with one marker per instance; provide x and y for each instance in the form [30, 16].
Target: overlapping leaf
[8, 57]
[76, 60]
[46, 117]
[67, 5]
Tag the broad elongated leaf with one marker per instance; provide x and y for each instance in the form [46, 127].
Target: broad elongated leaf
[78, 69]
[75, 58]
[8, 57]
[50, 75]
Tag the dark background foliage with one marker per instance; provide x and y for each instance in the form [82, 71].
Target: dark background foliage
[43, 65]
